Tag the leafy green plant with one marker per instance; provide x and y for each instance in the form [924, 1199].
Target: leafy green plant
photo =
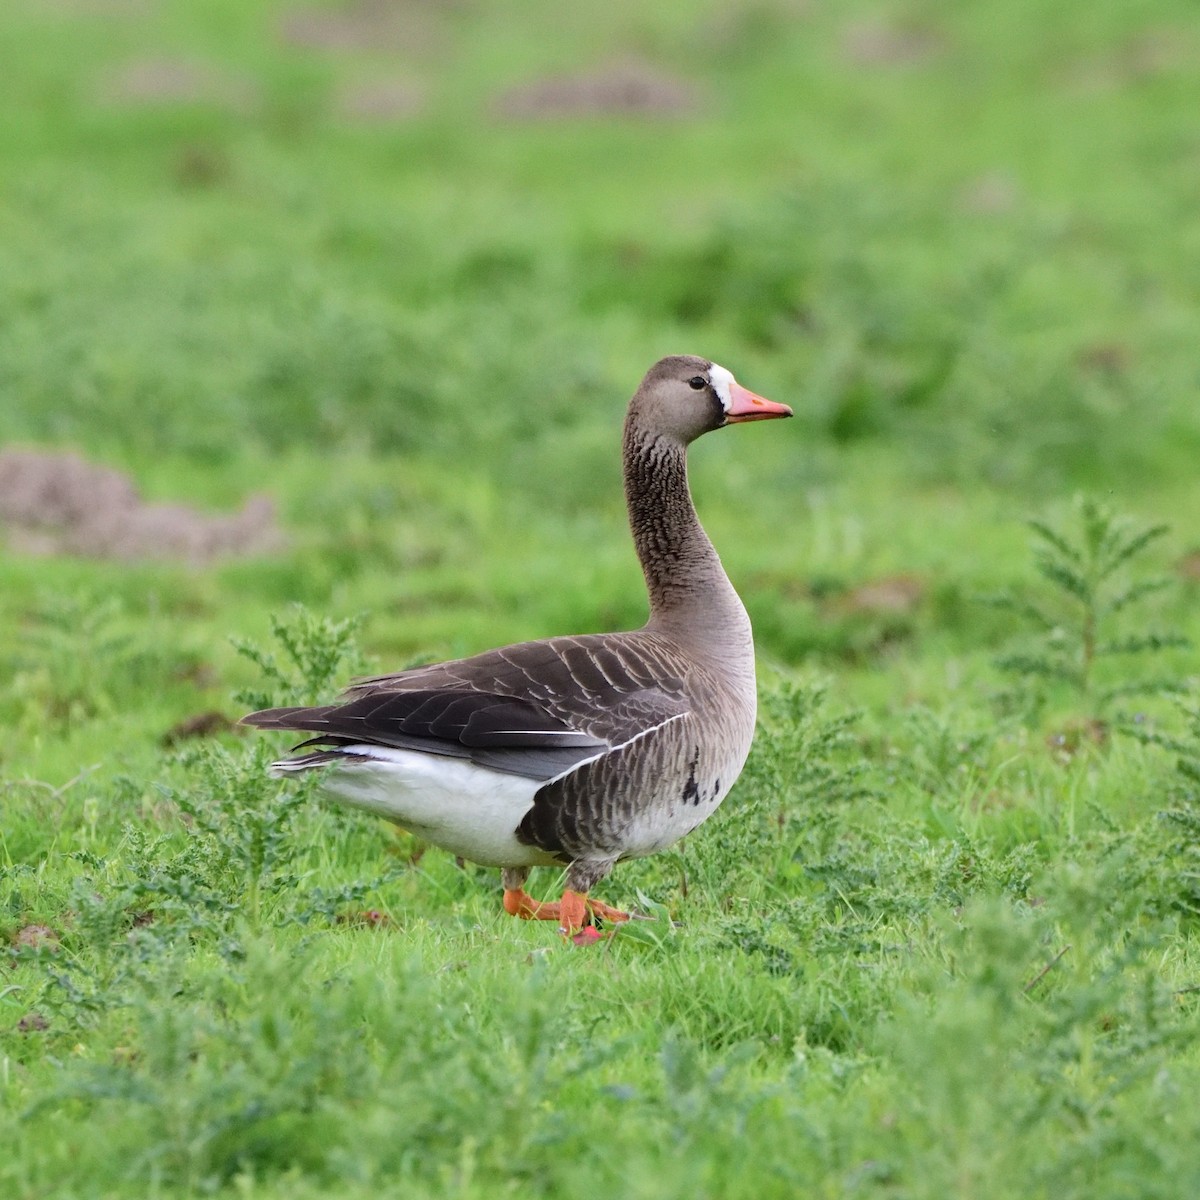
[1182, 817]
[77, 653]
[1179, 857]
[805, 761]
[802, 771]
[1078, 643]
[245, 861]
[251, 822]
[248, 819]
[317, 656]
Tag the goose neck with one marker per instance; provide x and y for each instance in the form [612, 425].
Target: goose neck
[687, 585]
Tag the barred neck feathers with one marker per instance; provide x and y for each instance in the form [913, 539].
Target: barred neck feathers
[689, 592]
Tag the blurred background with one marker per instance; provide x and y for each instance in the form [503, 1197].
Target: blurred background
[341, 302]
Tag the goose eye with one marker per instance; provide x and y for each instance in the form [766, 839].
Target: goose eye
[697, 382]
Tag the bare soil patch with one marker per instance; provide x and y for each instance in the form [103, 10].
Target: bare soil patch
[384, 25]
[1143, 57]
[380, 102]
[875, 44]
[1108, 360]
[1189, 567]
[59, 503]
[991, 194]
[35, 937]
[150, 82]
[620, 89]
[892, 595]
[202, 725]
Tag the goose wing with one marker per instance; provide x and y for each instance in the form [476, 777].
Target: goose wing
[537, 709]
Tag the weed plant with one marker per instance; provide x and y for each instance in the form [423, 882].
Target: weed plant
[319, 655]
[1078, 643]
[844, 993]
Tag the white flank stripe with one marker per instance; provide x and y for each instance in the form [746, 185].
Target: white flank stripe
[565, 735]
[583, 762]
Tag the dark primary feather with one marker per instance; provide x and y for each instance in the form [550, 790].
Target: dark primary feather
[471, 718]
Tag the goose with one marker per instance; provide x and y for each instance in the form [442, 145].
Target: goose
[575, 751]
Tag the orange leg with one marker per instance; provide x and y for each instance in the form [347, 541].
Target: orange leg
[574, 912]
[519, 903]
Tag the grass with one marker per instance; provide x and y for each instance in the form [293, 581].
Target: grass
[942, 940]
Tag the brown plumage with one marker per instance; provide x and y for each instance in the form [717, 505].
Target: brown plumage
[574, 750]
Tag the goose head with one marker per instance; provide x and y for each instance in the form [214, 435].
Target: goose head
[683, 396]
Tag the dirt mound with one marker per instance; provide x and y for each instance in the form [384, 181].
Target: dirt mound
[380, 102]
[991, 194]
[362, 25]
[892, 595]
[62, 504]
[160, 81]
[874, 44]
[622, 89]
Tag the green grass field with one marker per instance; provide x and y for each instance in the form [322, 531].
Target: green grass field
[942, 940]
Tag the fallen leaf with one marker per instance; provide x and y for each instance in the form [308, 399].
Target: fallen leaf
[36, 936]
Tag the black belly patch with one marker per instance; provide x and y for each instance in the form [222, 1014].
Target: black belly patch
[691, 789]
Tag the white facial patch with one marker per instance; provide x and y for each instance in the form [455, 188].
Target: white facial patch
[721, 380]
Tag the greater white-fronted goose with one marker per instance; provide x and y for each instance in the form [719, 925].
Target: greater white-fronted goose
[577, 751]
